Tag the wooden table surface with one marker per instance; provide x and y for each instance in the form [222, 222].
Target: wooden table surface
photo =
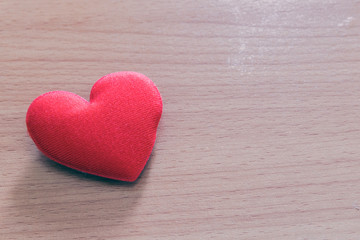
[260, 134]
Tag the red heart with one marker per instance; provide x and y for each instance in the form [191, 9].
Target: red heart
[111, 136]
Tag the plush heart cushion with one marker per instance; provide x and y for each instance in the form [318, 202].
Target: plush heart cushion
[112, 135]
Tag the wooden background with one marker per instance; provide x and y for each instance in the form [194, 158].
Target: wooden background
[260, 134]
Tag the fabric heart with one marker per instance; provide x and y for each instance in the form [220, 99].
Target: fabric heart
[111, 136]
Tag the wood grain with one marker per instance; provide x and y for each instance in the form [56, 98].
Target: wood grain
[260, 133]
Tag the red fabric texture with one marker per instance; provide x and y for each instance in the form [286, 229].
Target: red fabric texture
[111, 136]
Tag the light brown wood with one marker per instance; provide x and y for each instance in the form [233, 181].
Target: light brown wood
[260, 134]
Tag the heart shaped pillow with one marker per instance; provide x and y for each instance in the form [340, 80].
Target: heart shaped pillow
[112, 135]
